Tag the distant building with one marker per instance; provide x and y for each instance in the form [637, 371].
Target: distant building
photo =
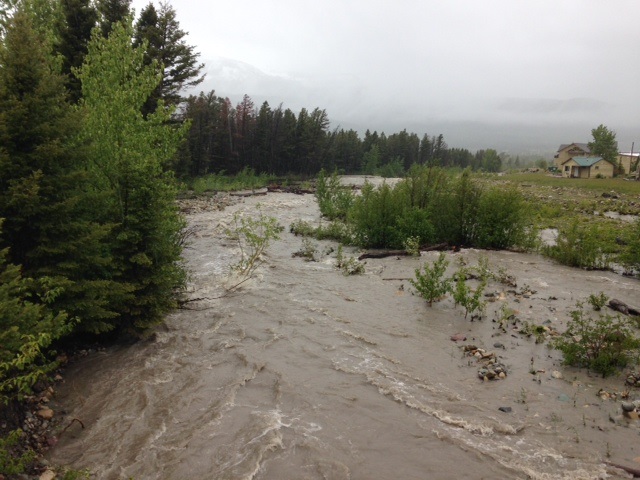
[583, 166]
[570, 150]
[587, 167]
[628, 161]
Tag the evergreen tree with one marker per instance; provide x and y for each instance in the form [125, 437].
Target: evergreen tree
[167, 46]
[48, 226]
[129, 153]
[112, 11]
[74, 31]
[199, 154]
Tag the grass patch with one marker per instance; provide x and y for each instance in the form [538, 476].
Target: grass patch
[593, 185]
[247, 179]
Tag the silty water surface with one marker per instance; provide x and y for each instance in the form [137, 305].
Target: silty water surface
[304, 373]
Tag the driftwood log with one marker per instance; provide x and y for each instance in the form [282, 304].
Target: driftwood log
[291, 189]
[249, 193]
[622, 307]
[401, 253]
[633, 471]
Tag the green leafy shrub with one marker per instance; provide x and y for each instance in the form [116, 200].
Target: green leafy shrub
[14, 459]
[501, 219]
[27, 329]
[580, 245]
[374, 216]
[246, 179]
[336, 230]
[253, 236]
[393, 169]
[412, 246]
[465, 296]
[307, 251]
[602, 344]
[334, 200]
[630, 256]
[453, 208]
[414, 223]
[430, 281]
[598, 301]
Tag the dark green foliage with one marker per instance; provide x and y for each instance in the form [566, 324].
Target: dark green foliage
[49, 226]
[375, 215]
[501, 219]
[166, 45]
[454, 210]
[74, 33]
[429, 207]
[393, 169]
[110, 12]
[602, 344]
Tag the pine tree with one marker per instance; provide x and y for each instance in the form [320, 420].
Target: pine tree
[110, 12]
[74, 32]
[168, 47]
[49, 226]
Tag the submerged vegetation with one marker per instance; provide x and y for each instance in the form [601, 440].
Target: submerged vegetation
[429, 206]
[603, 343]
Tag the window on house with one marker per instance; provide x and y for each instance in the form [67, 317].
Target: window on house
[597, 167]
[566, 168]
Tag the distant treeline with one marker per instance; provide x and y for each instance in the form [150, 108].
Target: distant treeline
[224, 138]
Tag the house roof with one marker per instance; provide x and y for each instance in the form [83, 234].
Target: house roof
[583, 146]
[585, 161]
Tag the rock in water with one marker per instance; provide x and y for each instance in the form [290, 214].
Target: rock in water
[628, 406]
[45, 413]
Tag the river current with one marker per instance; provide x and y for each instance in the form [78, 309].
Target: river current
[304, 373]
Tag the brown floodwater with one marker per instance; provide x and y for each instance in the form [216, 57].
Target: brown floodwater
[304, 373]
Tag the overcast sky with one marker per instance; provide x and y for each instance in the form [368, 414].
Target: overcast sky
[481, 71]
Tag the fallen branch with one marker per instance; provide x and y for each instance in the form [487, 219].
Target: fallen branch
[633, 471]
[229, 290]
[622, 307]
[249, 193]
[71, 423]
[402, 253]
[386, 253]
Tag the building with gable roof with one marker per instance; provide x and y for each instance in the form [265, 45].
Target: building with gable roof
[570, 150]
[587, 167]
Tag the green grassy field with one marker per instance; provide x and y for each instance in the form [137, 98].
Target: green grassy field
[596, 185]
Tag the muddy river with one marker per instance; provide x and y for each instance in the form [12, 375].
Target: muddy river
[304, 373]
